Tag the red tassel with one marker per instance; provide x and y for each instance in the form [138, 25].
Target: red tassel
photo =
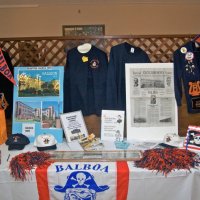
[166, 160]
[22, 164]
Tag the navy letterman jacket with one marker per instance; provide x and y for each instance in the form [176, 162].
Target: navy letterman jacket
[85, 81]
[187, 70]
[116, 87]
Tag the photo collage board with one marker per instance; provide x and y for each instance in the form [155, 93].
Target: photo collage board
[38, 101]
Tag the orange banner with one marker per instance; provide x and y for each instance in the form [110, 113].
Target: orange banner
[42, 182]
[4, 69]
[122, 180]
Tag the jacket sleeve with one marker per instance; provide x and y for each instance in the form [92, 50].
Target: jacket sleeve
[67, 92]
[178, 72]
[111, 89]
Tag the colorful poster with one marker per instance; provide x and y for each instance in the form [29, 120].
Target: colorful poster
[38, 101]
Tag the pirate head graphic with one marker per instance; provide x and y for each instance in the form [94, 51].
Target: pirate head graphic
[80, 185]
[194, 137]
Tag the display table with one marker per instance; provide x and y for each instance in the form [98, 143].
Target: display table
[142, 184]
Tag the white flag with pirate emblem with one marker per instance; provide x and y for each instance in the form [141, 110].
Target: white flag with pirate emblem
[82, 181]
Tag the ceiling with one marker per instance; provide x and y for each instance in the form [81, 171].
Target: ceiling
[36, 3]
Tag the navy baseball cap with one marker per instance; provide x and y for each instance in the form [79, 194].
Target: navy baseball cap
[17, 141]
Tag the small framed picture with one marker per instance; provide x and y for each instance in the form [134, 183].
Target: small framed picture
[74, 126]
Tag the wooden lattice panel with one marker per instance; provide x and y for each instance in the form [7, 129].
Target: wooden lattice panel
[51, 51]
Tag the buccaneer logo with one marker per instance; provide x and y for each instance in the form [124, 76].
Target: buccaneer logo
[80, 185]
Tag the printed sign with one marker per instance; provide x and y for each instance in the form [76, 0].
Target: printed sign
[112, 125]
[28, 130]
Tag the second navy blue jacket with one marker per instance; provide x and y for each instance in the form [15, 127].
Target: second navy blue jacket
[116, 89]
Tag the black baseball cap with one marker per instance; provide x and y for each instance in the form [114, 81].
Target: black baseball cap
[17, 141]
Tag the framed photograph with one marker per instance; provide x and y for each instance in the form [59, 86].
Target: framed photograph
[112, 125]
[74, 126]
[83, 30]
[151, 106]
[38, 101]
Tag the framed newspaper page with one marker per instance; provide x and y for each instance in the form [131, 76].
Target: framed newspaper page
[74, 126]
[151, 108]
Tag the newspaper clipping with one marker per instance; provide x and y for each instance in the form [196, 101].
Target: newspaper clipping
[152, 97]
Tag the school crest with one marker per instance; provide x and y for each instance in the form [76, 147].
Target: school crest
[94, 63]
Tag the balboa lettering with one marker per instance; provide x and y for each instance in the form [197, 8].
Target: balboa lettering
[70, 167]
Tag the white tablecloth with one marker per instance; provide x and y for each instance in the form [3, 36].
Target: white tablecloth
[143, 184]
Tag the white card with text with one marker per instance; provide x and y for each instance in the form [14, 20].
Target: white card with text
[112, 125]
[28, 129]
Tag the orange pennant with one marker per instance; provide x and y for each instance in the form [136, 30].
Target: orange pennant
[4, 69]
[198, 40]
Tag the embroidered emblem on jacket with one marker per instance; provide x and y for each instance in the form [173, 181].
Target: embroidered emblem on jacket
[94, 63]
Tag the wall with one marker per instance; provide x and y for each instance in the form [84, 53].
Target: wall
[119, 19]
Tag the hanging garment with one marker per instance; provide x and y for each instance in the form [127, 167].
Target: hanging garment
[85, 81]
[187, 70]
[116, 87]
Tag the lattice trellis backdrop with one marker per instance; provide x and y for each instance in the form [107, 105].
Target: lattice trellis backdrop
[51, 51]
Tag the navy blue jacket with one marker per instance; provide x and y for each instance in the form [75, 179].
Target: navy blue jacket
[85, 81]
[116, 87]
[187, 70]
